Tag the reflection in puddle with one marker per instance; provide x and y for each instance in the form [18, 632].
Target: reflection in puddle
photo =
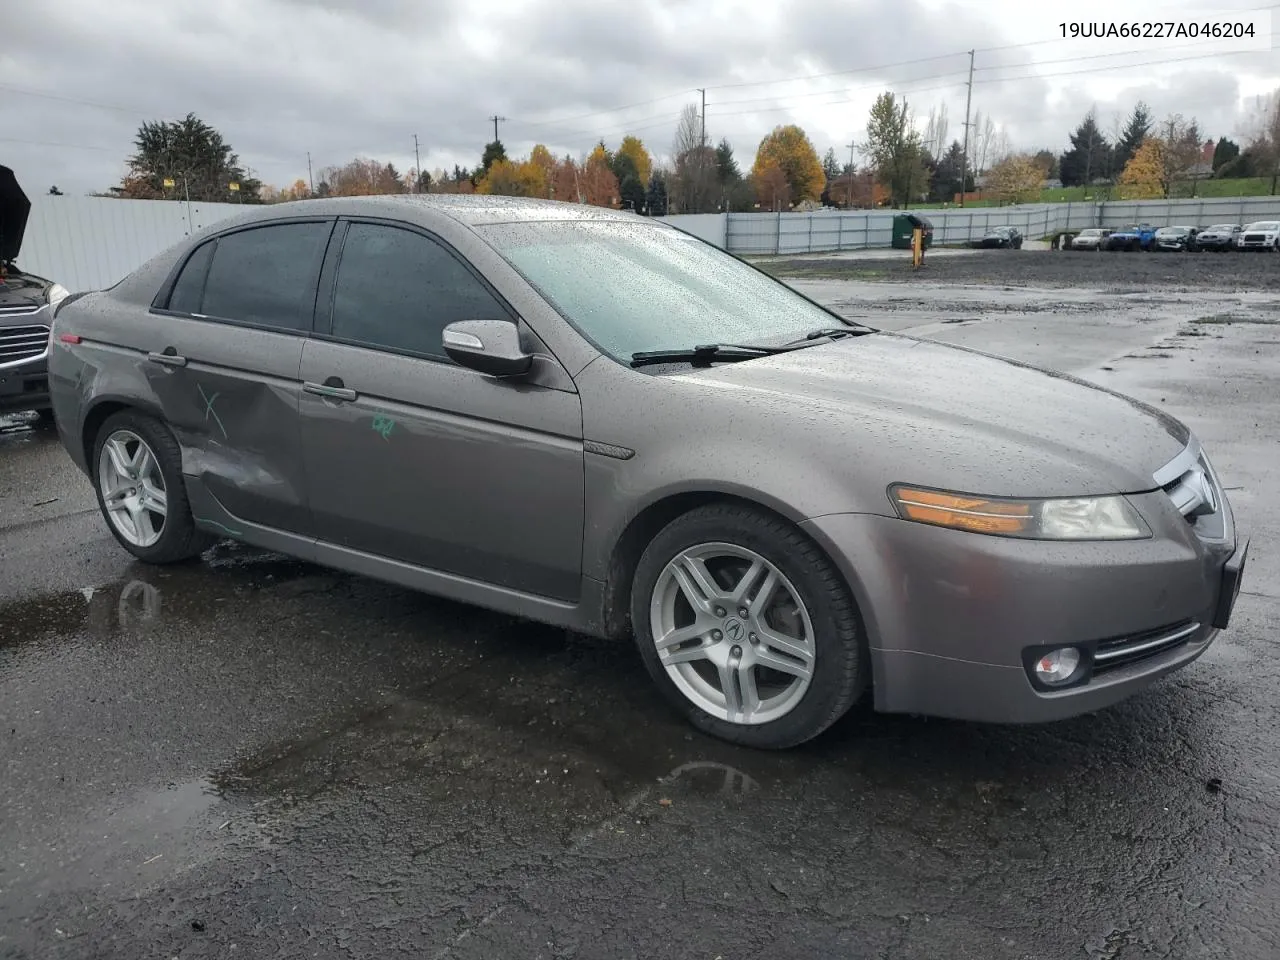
[158, 831]
[193, 593]
[708, 778]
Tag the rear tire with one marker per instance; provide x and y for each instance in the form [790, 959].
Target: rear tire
[718, 667]
[137, 475]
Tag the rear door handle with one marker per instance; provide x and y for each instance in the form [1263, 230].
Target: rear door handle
[329, 390]
[169, 358]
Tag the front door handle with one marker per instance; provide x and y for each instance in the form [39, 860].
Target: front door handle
[168, 358]
[333, 390]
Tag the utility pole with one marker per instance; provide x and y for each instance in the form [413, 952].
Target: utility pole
[850, 197]
[703, 140]
[417, 167]
[496, 120]
[310, 179]
[964, 156]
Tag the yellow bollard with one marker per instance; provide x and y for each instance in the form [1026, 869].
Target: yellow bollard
[917, 247]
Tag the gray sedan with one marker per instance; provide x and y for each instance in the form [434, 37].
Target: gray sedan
[595, 420]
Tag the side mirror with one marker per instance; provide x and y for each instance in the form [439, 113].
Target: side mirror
[489, 346]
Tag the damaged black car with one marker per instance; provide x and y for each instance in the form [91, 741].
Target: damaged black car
[26, 310]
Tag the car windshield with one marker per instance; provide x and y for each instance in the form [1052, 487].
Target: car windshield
[1264, 225]
[1090, 233]
[1171, 231]
[1222, 227]
[635, 287]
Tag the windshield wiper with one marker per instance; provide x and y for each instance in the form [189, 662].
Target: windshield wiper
[706, 354]
[832, 333]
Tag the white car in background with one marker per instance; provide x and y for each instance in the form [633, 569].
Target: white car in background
[1260, 235]
[1090, 239]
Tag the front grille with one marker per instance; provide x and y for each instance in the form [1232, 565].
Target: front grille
[18, 344]
[1251, 237]
[24, 310]
[1123, 651]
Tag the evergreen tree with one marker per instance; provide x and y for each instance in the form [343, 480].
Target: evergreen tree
[1135, 131]
[656, 196]
[1089, 157]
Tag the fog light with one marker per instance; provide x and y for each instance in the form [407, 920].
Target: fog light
[1058, 666]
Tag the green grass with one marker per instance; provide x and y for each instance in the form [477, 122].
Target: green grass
[1204, 189]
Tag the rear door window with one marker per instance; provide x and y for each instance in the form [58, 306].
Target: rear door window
[266, 276]
[189, 289]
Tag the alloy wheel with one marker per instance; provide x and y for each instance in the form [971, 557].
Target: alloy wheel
[732, 633]
[132, 488]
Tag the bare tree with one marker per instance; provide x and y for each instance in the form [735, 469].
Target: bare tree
[692, 183]
[935, 131]
[1262, 134]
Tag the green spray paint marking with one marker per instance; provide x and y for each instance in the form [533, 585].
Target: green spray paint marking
[384, 425]
[210, 412]
[215, 523]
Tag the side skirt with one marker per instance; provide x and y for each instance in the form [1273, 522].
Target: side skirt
[583, 617]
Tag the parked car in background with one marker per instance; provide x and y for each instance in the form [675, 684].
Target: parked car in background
[1006, 237]
[1260, 235]
[1133, 237]
[27, 303]
[1175, 239]
[1091, 239]
[1218, 237]
[441, 391]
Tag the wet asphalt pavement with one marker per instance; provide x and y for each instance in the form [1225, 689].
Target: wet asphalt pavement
[255, 757]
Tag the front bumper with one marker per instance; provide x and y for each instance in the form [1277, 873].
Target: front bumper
[952, 617]
[24, 386]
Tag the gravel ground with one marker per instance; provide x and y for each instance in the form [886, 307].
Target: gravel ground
[1162, 272]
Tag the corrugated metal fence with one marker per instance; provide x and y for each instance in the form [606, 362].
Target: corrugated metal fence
[87, 243]
[830, 230]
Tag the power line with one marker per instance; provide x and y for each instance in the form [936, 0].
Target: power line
[50, 143]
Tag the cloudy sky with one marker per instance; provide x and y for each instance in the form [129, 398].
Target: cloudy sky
[347, 78]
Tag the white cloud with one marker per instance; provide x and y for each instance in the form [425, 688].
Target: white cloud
[342, 78]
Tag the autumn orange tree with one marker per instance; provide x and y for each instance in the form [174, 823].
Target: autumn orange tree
[507, 179]
[634, 150]
[788, 148]
[1015, 179]
[773, 192]
[1142, 175]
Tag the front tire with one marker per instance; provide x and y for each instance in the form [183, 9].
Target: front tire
[747, 628]
[137, 471]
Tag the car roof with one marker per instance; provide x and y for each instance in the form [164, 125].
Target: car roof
[468, 209]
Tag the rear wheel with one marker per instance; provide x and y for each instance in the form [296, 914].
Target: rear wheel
[747, 628]
[138, 478]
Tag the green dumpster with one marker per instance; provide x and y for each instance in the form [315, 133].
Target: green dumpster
[904, 224]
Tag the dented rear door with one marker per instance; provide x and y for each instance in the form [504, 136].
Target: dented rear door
[224, 362]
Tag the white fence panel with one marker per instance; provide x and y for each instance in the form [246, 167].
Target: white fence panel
[88, 243]
[708, 226]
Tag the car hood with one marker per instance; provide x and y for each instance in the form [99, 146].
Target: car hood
[952, 417]
[14, 208]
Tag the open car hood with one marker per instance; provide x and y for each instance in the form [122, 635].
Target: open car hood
[14, 207]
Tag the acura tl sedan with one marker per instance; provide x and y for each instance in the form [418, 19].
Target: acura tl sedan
[596, 420]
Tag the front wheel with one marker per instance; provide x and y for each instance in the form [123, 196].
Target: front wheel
[141, 492]
[747, 628]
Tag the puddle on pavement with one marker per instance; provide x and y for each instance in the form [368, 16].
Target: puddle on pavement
[143, 838]
[154, 596]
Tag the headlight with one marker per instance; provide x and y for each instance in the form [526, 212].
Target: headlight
[57, 293]
[1076, 518]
